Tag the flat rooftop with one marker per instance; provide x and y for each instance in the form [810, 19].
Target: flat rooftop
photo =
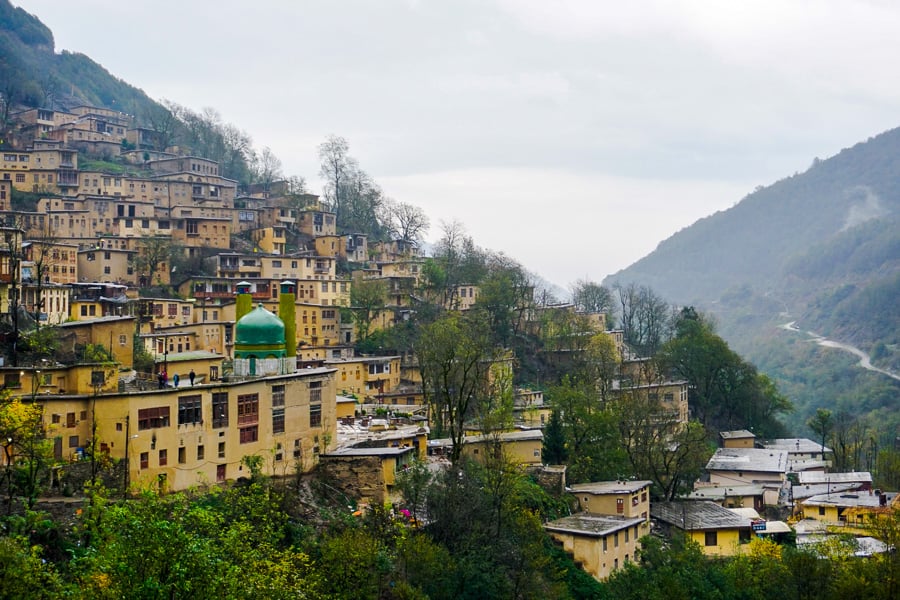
[748, 459]
[610, 487]
[697, 514]
[592, 525]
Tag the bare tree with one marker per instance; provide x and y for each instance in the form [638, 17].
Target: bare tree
[10, 253]
[153, 252]
[646, 318]
[405, 222]
[589, 296]
[335, 170]
[44, 254]
[163, 120]
[265, 168]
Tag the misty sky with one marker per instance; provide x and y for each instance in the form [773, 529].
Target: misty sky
[572, 135]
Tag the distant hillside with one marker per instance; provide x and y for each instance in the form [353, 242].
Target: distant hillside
[821, 247]
[31, 73]
[755, 241]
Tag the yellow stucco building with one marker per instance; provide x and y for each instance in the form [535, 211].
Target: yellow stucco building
[178, 438]
[719, 531]
[600, 544]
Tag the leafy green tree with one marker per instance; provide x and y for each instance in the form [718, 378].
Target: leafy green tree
[591, 432]
[455, 354]
[505, 298]
[367, 300]
[676, 570]
[554, 451]
[24, 573]
[27, 453]
[725, 391]
[821, 423]
[668, 452]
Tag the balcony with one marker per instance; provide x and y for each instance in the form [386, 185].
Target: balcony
[67, 179]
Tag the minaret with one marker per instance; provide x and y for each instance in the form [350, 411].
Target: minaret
[243, 301]
[287, 311]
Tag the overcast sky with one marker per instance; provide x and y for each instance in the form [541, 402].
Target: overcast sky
[572, 135]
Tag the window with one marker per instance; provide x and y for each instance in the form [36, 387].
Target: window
[73, 441]
[604, 543]
[277, 395]
[277, 420]
[201, 452]
[163, 458]
[620, 505]
[635, 500]
[248, 409]
[145, 460]
[56, 419]
[626, 536]
[189, 410]
[220, 409]
[315, 415]
[821, 511]
[11, 380]
[153, 418]
[83, 415]
[616, 540]
[711, 538]
[315, 391]
[123, 340]
[221, 449]
[20, 177]
[70, 419]
[220, 472]
[249, 434]
[182, 455]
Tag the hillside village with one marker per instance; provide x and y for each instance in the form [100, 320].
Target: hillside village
[170, 322]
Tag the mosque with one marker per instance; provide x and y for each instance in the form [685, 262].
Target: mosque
[265, 343]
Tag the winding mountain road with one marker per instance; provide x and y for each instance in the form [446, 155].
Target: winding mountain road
[864, 360]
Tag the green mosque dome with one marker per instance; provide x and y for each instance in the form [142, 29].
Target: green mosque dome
[259, 327]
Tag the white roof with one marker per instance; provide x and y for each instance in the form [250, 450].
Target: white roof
[610, 487]
[812, 477]
[796, 445]
[748, 459]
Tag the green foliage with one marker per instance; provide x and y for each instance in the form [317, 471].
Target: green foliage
[726, 392]
[96, 353]
[821, 248]
[367, 299]
[554, 451]
[228, 543]
[455, 356]
[23, 572]
[591, 433]
[39, 343]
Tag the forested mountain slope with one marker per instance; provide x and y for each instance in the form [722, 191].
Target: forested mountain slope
[33, 74]
[822, 248]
